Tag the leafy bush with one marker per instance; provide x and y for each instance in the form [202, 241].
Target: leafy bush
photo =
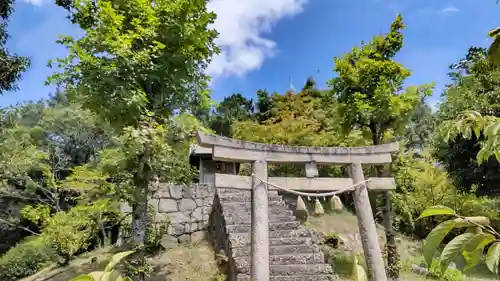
[25, 259]
[470, 245]
[70, 232]
[450, 274]
[422, 184]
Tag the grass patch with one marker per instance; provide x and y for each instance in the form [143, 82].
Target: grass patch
[83, 264]
[182, 263]
[195, 262]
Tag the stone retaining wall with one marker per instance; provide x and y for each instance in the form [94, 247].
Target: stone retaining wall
[187, 208]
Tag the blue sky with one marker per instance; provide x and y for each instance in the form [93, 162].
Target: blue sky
[265, 42]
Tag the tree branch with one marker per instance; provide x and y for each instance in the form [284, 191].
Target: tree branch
[18, 226]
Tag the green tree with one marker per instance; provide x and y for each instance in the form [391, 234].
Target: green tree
[139, 63]
[470, 124]
[370, 96]
[233, 108]
[11, 65]
[264, 105]
[420, 184]
[420, 128]
[298, 119]
[475, 87]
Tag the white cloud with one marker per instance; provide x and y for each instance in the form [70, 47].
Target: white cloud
[35, 2]
[242, 25]
[450, 9]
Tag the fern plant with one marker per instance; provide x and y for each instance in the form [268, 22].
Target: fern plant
[479, 235]
[109, 273]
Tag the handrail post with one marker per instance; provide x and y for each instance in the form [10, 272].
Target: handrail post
[367, 227]
[260, 223]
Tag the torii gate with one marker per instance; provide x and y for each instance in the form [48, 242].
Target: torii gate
[259, 154]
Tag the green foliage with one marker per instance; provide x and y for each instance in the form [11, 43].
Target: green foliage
[25, 259]
[109, 273]
[420, 127]
[369, 91]
[369, 85]
[473, 122]
[436, 210]
[475, 88]
[449, 275]
[156, 231]
[470, 245]
[135, 77]
[420, 184]
[12, 66]
[233, 108]
[137, 66]
[297, 119]
[70, 232]
[166, 150]
[36, 213]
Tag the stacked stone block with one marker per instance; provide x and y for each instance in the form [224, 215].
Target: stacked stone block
[187, 207]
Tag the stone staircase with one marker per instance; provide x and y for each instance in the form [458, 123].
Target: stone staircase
[293, 256]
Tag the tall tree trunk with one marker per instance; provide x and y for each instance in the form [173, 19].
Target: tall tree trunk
[139, 226]
[140, 213]
[393, 263]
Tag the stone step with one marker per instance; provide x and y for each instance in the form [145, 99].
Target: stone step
[244, 277]
[245, 198]
[237, 241]
[246, 228]
[292, 269]
[232, 208]
[248, 205]
[248, 220]
[238, 238]
[222, 191]
[272, 211]
[311, 258]
[279, 250]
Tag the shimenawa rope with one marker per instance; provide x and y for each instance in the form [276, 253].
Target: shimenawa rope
[333, 193]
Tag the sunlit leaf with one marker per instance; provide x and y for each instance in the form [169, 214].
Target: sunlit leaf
[116, 259]
[472, 259]
[494, 32]
[492, 257]
[453, 249]
[435, 238]
[358, 272]
[97, 275]
[478, 241]
[83, 278]
[436, 210]
[473, 251]
[492, 130]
